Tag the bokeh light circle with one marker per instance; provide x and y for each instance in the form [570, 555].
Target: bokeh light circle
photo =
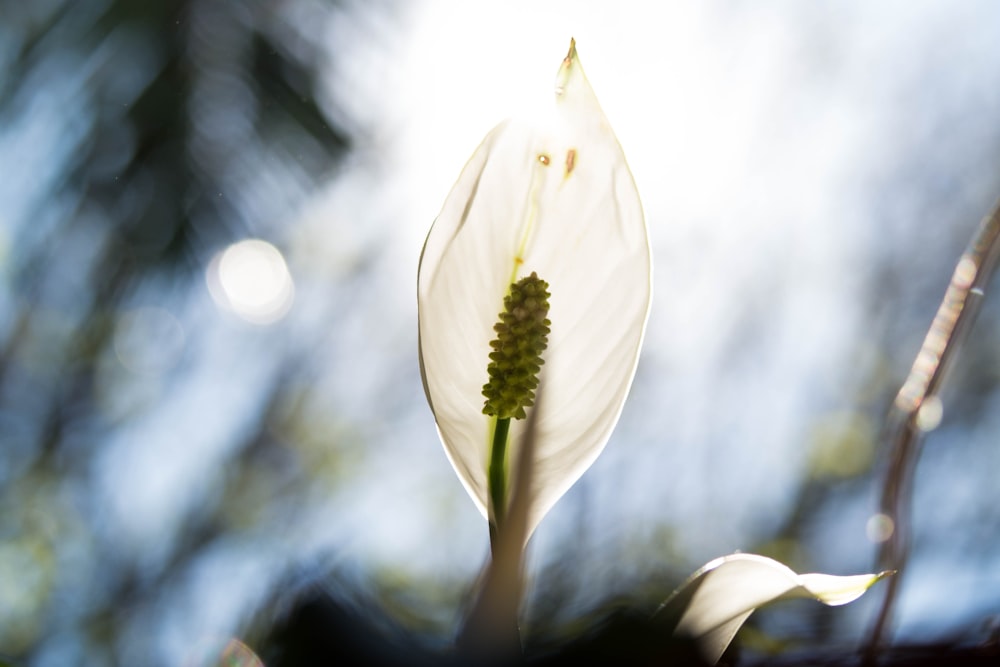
[251, 279]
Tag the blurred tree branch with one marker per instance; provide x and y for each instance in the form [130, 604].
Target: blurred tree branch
[908, 420]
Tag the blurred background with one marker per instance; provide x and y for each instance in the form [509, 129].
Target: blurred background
[211, 213]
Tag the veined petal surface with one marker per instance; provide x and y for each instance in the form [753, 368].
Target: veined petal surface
[716, 600]
[557, 198]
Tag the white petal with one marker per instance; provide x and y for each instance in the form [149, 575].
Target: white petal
[556, 198]
[717, 599]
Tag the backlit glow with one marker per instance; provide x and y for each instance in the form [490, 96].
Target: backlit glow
[250, 278]
[930, 413]
[879, 528]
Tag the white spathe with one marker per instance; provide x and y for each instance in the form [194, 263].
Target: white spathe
[716, 600]
[556, 197]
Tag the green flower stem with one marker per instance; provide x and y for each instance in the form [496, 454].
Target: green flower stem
[516, 359]
[498, 473]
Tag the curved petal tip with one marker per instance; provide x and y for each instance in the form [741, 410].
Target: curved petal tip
[566, 68]
[571, 54]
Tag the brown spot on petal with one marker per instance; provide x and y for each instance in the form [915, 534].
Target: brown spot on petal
[570, 161]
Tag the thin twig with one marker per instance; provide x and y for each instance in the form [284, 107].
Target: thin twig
[918, 396]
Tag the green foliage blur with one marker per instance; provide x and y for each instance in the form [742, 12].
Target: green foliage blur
[173, 479]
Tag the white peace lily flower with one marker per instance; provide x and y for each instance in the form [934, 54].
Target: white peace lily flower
[716, 600]
[555, 199]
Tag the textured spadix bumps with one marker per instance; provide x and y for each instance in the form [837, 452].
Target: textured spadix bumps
[516, 359]
[554, 197]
